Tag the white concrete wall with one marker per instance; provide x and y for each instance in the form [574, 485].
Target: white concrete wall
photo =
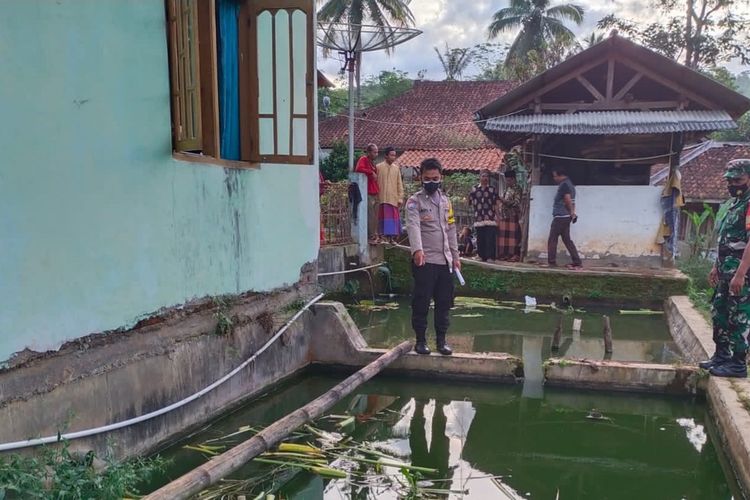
[620, 221]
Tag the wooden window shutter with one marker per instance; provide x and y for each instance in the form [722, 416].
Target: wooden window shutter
[278, 51]
[185, 74]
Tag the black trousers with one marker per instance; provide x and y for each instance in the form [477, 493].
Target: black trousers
[487, 242]
[431, 282]
[561, 227]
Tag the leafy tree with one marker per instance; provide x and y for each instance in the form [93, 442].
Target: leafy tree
[386, 85]
[541, 27]
[454, 61]
[382, 13]
[702, 35]
[488, 59]
[538, 60]
[335, 167]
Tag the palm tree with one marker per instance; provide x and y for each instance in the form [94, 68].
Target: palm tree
[540, 24]
[454, 61]
[593, 39]
[381, 13]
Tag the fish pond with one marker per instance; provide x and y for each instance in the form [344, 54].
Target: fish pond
[410, 438]
[489, 325]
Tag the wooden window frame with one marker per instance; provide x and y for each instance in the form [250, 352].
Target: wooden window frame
[249, 126]
[206, 148]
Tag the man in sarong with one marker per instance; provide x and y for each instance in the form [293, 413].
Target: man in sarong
[391, 196]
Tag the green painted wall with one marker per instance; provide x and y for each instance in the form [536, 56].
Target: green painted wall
[99, 225]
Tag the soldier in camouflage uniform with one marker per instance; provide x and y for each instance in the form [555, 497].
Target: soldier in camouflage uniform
[730, 306]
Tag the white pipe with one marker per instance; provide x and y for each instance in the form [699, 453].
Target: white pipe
[334, 273]
[148, 416]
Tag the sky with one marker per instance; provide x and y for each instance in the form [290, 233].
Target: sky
[463, 23]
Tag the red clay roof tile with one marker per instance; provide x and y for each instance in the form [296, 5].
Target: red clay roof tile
[455, 159]
[428, 103]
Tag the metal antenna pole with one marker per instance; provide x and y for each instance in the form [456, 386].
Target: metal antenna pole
[350, 62]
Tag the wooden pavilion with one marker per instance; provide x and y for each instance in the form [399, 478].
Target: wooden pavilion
[606, 115]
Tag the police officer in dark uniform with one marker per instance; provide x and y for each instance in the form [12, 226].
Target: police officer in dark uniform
[434, 247]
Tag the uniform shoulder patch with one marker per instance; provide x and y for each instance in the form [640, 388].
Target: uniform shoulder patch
[411, 204]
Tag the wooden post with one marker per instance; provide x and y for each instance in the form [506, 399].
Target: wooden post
[607, 335]
[557, 335]
[221, 466]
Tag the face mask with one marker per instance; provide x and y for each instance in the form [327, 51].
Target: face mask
[431, 186]
[737, 191]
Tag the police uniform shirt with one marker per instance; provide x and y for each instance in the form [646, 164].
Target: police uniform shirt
[432, 227]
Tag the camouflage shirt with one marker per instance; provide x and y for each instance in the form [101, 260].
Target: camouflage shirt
[733, 236]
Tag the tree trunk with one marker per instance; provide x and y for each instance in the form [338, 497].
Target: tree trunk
[222, 465]
[689, 34]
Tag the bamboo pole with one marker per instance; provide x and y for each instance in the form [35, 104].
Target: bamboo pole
[607, 335]
[557, 335]
[222, 465]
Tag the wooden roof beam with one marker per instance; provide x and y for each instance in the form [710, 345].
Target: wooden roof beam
[668, 83]
[590, 87]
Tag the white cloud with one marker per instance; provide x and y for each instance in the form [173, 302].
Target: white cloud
[461, 23]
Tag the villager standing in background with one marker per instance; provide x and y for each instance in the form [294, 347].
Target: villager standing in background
[366, 165]
[391, 196]
[730, 305]
[483, 198]
[508, 222]
[563, 215]
[434, 249]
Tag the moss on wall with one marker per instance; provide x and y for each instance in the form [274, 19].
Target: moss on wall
[542, 283]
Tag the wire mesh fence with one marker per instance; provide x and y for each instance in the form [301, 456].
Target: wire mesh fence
[335, 214]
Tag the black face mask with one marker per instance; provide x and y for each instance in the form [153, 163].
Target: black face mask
[431, 186]
[737, 191]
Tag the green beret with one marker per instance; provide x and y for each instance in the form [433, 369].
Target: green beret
[737, 168]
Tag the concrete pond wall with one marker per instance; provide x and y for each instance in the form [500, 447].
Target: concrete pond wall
[101, 226]
[512, 280]
[107, 379]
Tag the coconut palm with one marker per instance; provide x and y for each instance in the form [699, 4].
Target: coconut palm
[454, 61]
[381, 13]
[593, 39]
[540, 25]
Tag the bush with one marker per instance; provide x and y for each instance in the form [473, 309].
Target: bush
[55, 472]
[700, 292]
[336, 165]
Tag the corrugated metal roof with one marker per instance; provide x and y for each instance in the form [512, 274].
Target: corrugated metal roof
[613, 122]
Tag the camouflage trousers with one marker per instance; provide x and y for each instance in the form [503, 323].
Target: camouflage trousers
[731, 316]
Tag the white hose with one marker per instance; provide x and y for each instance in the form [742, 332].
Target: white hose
[334, 273]
[148, 416]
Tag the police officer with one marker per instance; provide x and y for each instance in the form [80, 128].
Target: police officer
[434, 248]
[730, 306]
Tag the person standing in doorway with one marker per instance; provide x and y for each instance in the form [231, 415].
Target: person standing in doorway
[563, 215]
[431, 226]
[509, 220]
[391, 196]
[366, 165]
[730, 305]
[483, 199]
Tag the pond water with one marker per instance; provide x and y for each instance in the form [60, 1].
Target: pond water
[485, 325]
[490, 442]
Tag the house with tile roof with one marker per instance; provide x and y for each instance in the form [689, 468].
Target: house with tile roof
[432, 119]
[702, 169]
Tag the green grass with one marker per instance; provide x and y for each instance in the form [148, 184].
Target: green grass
[699, 291]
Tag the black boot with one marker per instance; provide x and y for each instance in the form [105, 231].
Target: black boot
[442, 347]
[420, 347]
[721, 355]
[735, 367]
